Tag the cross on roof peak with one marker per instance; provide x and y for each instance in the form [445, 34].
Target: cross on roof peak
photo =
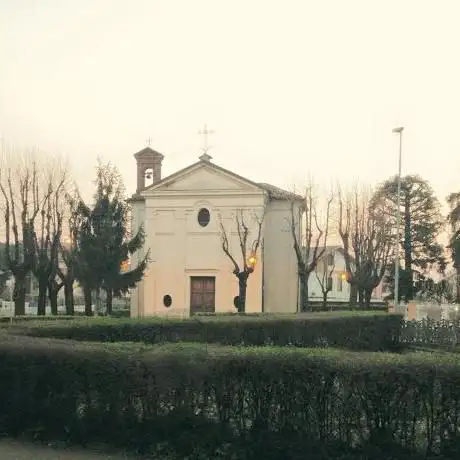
[205, 133]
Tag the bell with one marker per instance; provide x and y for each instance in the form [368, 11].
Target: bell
[148, 176]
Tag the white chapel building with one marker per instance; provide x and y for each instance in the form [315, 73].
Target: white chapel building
[182, 214]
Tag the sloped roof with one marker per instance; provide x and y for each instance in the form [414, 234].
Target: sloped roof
[148, 153]
[274, 192]
[278, 193]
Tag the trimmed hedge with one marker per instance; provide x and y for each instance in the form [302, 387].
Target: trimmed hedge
[77, 315]
[373, 332]
[200, 402]
[36, 318]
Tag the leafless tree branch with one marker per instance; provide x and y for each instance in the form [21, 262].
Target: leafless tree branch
[226, 247]
[309, 247]
[243, 270]
[367, 243]
[324, 276]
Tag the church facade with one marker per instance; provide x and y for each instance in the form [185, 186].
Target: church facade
[185, 215]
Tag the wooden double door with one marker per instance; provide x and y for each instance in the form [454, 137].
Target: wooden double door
[202, 294]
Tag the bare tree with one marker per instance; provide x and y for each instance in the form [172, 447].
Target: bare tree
[367, 243]
[55, 284]
[248, 252]
[19, 188]
[344, 224]
[323, 272]
[47, 237]
[309, 245]
[68, 248]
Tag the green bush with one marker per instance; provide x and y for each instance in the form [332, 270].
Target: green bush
[374, 332]
[201, 401]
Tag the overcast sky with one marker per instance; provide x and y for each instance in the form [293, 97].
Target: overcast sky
[291, 88]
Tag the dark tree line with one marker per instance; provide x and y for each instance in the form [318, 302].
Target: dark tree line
[366, 225]
[39, 209]
[453, 219]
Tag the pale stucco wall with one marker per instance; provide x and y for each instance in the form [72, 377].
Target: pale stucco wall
[314, 287]
[137, 218]
[280, 262]
[181, 248]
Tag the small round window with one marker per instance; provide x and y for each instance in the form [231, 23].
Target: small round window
[203, 217]
[167, 300]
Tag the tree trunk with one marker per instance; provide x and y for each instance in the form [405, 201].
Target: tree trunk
[53, 297]
[242, 285]
[361, 297]
[97, 302]
[457, 300]
[368, 297]
[409, 294]
[42, 288]
[353, 295]
[53, 291]
[88, 301]
[19, 295]
[109, 302]
[68, 298]
[325, 300]
[304, 301]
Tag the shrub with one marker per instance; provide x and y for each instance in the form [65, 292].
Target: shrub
[373, 332]
[199, 402]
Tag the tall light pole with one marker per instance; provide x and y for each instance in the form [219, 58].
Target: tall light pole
[399, 131]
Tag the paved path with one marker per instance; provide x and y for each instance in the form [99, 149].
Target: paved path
[19, 450]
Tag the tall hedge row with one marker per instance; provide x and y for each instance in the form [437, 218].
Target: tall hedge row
[373, 332]
[201, 401]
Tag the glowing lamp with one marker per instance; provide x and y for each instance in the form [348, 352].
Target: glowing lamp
[252, 261]
[343, 276]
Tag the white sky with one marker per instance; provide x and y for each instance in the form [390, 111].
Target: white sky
[291, 88]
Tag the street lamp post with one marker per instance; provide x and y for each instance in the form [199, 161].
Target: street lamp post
[399, 131]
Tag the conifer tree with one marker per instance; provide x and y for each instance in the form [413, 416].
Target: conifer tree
[104, 240]
[420, 224]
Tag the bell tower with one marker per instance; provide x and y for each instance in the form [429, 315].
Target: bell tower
[148, 167]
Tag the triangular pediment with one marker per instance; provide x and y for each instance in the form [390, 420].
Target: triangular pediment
[203, 176]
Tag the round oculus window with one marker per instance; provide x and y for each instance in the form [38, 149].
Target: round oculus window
[167, 300]
[203, 217]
